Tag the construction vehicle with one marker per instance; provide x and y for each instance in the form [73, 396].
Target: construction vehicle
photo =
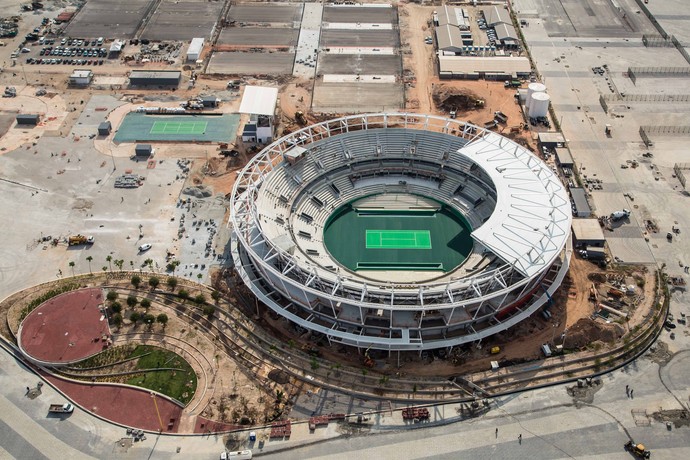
[77, 240]
[301, 119]
[512, 84]
[453, 113]
[10, 91]
[619, 215]
[607, 130]
[638, 450]
[66, 408]
[495, 350]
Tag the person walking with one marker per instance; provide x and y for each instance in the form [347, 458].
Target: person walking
[631, 394]
[627, 391]
[497, 432]
[520, 438]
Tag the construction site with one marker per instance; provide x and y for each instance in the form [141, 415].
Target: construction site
[167, 213]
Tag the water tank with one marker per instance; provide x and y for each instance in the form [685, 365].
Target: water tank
[540, 105]
[534, 87]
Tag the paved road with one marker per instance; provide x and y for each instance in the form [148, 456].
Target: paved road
[552, 425]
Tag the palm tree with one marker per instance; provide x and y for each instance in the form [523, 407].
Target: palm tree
[109, 259]
[71, 265]
[118, 263]
[131, 264]
[105, 269]
[89, 259]
[149, 263]
[199, 276]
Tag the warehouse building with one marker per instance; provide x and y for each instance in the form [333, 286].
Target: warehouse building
[486, 67]
[143, 151]
[507, 36]
[194, 50]
[81, 77]
[116, 48]
[496, 15]
[155, 78]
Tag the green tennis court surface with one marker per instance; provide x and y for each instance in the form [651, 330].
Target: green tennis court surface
[401, 240]
[142, 127]
[398, 239]
[178, 127]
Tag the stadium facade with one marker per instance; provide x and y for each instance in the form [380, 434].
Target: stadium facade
[517, 212]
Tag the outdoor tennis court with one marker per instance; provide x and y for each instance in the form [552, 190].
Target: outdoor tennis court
[142, 127]
[179, 127]
[398, 239]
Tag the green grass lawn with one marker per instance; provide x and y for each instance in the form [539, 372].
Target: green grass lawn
[178, 384]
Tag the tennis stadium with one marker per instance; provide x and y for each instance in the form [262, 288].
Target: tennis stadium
[398, 231]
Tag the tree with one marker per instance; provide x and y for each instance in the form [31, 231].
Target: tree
[116, 307]
[149, 319]
[111, 295]
[172, 283]
[209, 310]
[89, 259]
[117, 320]
[131, 264]
[145, 304]
[134, 317]
[154, 282]
[200, 299]
[172, 266]
[132, 301]
[119, 263]
[109, 259]
[162, 319]
[136, 281]
[215, 295]
[184, 295]
[199, 276]
[71, 265]
[149, 263]
[105, 269]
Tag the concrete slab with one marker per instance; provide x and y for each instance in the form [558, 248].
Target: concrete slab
[363, 38]
[357, 97]
[103, 18]
[238, 63]
[265, 13]
[359, 64]
[363, 14]
[175, 20]
[259, 36]
[310, 31]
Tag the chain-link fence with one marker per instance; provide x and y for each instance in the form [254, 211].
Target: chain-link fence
[645, 98]
[678, 169]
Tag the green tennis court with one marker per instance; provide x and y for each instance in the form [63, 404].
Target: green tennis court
[398, 239]
[178, 127]
[143, 127]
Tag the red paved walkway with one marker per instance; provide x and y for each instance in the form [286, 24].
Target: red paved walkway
[129, 406]
[66, 328]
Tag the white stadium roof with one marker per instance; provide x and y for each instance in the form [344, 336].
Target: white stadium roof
[259, 100]
[532, 217]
